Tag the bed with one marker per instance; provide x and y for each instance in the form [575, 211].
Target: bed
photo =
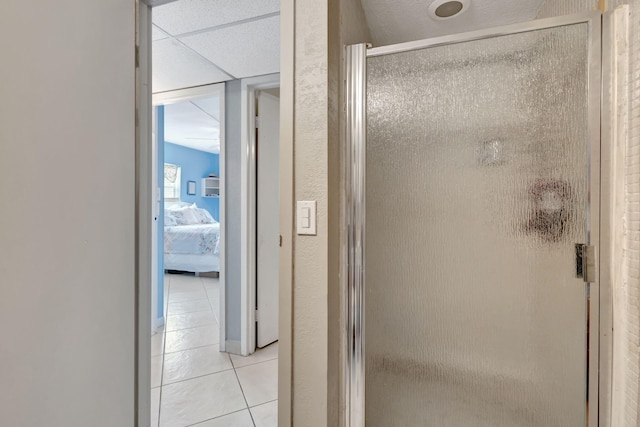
[191, 239]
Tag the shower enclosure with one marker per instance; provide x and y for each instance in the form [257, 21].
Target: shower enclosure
[473, 210]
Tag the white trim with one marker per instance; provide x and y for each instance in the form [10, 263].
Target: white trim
[233, 347]
[614, 119]
[287, 116]
[144, 209]
[172, 97]
[157, 319]
[248, 207]
[223, 222]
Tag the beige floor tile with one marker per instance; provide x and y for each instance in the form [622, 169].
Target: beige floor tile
[261, 355]
[156, 371]
[157, 344]
[259, 382]
[155, 406]
[265, 415]
[200, 399]
[191, 338]
[181, 307]
[190, 320]
[194, 363]
[237, 419]
[185, 280]
[187, 296]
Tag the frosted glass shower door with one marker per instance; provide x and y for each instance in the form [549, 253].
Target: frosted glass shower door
[477, 190]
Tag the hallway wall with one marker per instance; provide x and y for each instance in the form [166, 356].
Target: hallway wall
[321, 30]
[67, 272]
[625, 408]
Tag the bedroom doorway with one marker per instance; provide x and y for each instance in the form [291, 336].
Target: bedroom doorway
[188, 170]
[190, 45]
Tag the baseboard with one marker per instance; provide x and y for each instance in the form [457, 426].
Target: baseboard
[156, 324]
[233, 347]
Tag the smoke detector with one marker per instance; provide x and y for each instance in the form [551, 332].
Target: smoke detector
[446, 9]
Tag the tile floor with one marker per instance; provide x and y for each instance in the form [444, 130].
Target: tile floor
[192, 383]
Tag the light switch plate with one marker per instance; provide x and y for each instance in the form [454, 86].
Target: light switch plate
[306, 217]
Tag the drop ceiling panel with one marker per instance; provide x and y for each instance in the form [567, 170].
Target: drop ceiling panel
[188, 125]
[176, 67]
[244, 50]
[211, 106]
[193, 15]
[157, 33]
[407, 20]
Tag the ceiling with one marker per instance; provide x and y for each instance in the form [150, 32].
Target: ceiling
[194, 124]
[397, 21]
[198, 42]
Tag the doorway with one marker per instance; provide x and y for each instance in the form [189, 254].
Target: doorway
[175, 43]
[262, 208]
[189, 221]
[476, 165]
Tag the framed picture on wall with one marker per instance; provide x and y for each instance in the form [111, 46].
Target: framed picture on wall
[191, 188]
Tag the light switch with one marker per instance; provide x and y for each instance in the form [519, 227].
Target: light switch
[306, 217]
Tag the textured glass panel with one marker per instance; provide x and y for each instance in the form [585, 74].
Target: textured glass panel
[477, 167]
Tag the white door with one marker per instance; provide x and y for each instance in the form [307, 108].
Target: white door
[268, 222]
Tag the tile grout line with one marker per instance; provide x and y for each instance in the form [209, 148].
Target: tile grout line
[164, 339]
[190, 348]
[218, 417]
[233, 365]
[265, 403]
[254, 363]
[194, 327]
[196, 377]
[244, 397]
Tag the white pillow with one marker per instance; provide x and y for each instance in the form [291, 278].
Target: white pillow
[204, 217]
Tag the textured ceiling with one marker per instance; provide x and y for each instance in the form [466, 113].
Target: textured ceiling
[198, 42]
[194, 124]
[400, 21]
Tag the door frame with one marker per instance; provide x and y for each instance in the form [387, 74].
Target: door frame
[142, 380]
[171, 97]
[600, 310]
[249, 207]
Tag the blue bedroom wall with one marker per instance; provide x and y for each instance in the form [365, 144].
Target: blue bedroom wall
[194, 165]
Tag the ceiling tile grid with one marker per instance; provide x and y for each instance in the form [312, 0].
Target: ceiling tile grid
[186, 16]
[245, 50]
[198, 42]
[176, 67]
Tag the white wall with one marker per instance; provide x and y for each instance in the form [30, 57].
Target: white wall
[67, 169]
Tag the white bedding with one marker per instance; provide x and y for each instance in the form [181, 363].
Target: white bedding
[193, 246]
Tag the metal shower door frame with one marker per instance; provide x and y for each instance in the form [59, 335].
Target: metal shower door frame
[599, 315]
